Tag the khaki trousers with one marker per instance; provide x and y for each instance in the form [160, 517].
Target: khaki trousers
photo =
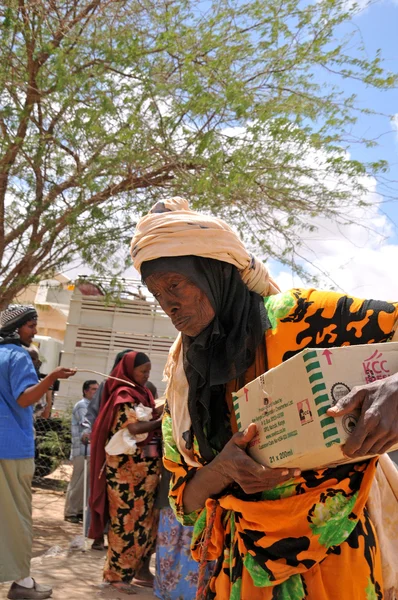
[74, 494]
[16, 533]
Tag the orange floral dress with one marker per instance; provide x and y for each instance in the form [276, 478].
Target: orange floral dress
[132, 481]
[311, 537]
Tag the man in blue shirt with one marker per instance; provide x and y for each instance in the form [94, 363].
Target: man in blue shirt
[74, 495]
[19, 391]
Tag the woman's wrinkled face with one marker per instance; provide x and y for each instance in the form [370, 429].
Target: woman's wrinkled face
[187, 305]
[141, 374]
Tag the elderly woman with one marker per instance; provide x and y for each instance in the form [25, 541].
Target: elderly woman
[275, 533]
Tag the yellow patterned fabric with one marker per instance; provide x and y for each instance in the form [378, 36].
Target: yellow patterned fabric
[310, 537]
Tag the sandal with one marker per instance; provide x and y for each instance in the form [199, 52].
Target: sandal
[98, 546]
[124, 587]
[73, 519]
[37, 592]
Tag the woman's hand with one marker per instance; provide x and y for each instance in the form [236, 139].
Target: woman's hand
[144, 426]
[234, 465]
[377, 427]
[159, 411]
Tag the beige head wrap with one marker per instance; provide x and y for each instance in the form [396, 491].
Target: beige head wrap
[181, 232]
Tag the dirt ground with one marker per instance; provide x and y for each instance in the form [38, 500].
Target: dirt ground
[73, 574]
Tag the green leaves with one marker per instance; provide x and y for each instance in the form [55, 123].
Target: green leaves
[104, 110]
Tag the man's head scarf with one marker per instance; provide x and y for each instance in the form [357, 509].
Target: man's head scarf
[12, 318]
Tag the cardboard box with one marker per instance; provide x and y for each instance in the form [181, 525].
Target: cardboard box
[289, 403]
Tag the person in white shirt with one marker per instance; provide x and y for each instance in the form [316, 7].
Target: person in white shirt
[74, 494]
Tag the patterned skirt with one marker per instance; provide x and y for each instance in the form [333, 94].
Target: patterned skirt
[131, 486]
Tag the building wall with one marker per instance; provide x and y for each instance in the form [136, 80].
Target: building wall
[51, 303]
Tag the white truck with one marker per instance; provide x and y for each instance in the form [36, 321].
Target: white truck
[49, 352]
[98, 329]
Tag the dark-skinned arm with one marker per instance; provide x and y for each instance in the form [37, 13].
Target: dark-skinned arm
[377, 427]
[49, 403]
[144, 426]
[233, 465]
[33, 393]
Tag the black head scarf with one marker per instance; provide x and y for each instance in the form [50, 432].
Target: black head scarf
[11, 319]
[119, 357]
[221, 352]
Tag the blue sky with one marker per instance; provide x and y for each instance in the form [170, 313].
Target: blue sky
[363, 261]
[378, 26]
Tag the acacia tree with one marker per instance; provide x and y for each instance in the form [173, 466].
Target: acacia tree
[107, 105]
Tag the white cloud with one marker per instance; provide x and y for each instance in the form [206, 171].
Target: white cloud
[369, 274]
[357, 258]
